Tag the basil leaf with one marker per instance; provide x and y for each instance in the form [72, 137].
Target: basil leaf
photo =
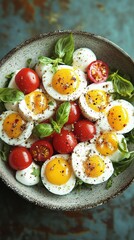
[121, 85]
[122, 146]
[109, 183]
[45, 60]
[122, 165]
[130, 136]
[62, 113]
[55, 126]
[36, 172]
[43, 130]
[64, 49]
[4, 150]
[28, 63]
[10, 95]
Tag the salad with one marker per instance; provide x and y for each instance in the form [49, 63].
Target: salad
[66, 121]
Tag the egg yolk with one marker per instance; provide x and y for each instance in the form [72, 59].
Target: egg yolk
[65, 81]
[14, 125]
[94, 166]
[36, 102]
[107, 143]
[118, 117]
[58, 171]
[97, 99]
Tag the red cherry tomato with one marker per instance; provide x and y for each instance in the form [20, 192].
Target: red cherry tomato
[84, 130]
[64, 142]
[97, 71]
[41, 150]
[74, 113]
[27, 80]
[20, 158]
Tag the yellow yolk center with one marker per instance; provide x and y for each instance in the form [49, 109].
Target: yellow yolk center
[65, 81]
[97, 99]
[118, 117]
[107, 143]
[13, 125]
[36, 102]
[94, 166]
[58, 171]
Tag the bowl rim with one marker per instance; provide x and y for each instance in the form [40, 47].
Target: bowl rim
[4, 177]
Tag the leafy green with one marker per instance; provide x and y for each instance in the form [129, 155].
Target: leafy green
[62, 113]
[55, 126]
[122, 87]
[43, 130]
[28, 63]
[36, 172]
[122, 165]
[80, 184]
[130, 136]
[4, 150]
[46, 61]
[109, 182]
[10, 95]
[122, 146]
[64, 49]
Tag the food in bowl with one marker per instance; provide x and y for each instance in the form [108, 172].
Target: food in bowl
[66, 120]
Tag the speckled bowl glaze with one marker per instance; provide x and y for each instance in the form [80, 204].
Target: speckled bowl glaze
[16, 59]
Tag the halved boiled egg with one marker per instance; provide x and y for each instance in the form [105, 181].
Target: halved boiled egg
[29, 176]
[66, 84]
[107, 144]
[13, 128]
[95, 99]
[89, 165]
[57, 174]
[37, 106]
[82, 57]
[119, 117]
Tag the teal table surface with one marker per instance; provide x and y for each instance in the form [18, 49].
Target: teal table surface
[23, 19]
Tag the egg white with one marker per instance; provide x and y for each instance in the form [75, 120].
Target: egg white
[58, 189]
[87, 111]
[41, 68]
[103, 125]
[27, 176]
[28, 143]
[47, 83]
[82, 57]
[29, 115]
[15, 141]
[117, 155]
[79, 155]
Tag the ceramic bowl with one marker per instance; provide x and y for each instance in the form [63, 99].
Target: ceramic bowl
[104, 50]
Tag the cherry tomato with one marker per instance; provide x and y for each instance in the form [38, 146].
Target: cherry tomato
[74, 113]
[97, 71]
[64, 142]
[41, 150]
[84, 130]
[20, 158]
[27, 80]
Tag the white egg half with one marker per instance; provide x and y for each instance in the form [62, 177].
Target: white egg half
[66, 84]
[13, 129]
[89, 165]
[82, 57]
[119, 116]
[95, 99]
[57, 174]
[28, 143]
[12, 84]
[107, 144]
[42, 68]
[37, 106]
[29, 176]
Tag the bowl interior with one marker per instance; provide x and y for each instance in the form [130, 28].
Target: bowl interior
[43, 45]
